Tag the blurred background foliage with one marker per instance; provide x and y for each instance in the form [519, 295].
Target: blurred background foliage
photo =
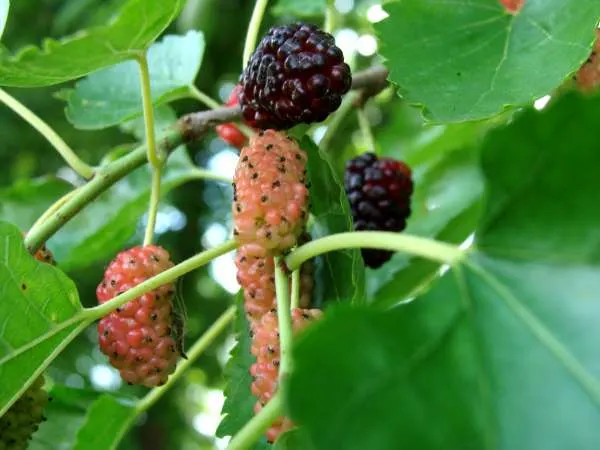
[193, 216]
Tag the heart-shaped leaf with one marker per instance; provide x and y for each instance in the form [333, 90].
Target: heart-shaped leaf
[477, 58]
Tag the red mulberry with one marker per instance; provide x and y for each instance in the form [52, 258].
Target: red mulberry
[588, 76]
[137, 336]
[229, 132]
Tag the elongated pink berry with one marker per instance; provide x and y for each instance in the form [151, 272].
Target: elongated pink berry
[270, 204]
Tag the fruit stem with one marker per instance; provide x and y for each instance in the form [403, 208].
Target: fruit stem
[153, 207]
[193, 353]
[329, 24]
[253, 28]
[81, 168]
[161, 279]
[284, 319]
[336, 121]
[295, 302]
[203, 174]
[256, 427]
[383, 240]
[365, 129]
[203, 98]
[105, 177]
[154, 156]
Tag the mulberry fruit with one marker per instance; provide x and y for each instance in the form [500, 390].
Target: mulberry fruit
[256, 276]
[379, 192]
[296, 75]
[22, 419]
[512, 6]
[588, 76]
[270, 198]
[265, 347]
[229, 132]
[137, 337]
[43, 254]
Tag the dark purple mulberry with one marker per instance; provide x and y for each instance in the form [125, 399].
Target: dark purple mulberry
[297, 74]
[379, 192]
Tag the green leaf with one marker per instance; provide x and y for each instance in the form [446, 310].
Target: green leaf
[239, 402]
[105, 225]
[306, 8]
[339, 276]
[39, 314]
[4, 7]
[75, 417]
[112, 416]
[482, 359]
[238, 408]
[139, 23]
[477, 59]
[25, 201]
[113, 95]
[65, 413]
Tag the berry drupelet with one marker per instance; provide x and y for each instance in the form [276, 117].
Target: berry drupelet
[296, 75]
[379, 192]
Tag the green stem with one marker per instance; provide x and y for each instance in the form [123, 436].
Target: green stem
[253, 28]
[284, 319]
[399, 242]
[203, 98]
[192, 355]
[329, 24]
[365, 129]
[54, 207]
[153, 208]
[256, 427]
[203, 174]
[336, 120]
[295, 302]
[161, 279]
[49, 134]
[248, 132]
[154, 157]
[104, 178]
